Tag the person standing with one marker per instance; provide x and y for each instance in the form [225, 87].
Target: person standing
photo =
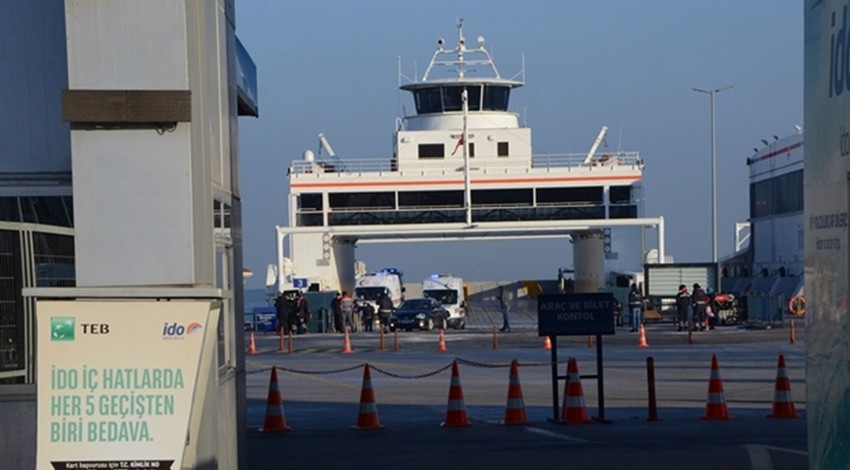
[280, 311]
[336, 311]
[505, 305]
[635, 307]
[367, 313]
[303, 314]
[699, 300]
[385, 310]
[346, 305]
[683, 305]
[712, 310]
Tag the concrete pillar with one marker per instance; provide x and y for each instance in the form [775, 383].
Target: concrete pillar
[589, 261]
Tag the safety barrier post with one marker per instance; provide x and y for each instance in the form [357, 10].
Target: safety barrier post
[650, 382]
[792, 338]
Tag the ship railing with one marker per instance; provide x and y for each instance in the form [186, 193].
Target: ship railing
[540, 161]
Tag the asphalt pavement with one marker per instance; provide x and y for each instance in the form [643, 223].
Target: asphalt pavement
[411, 390]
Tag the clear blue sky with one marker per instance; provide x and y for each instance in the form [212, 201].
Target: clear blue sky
[330, 66]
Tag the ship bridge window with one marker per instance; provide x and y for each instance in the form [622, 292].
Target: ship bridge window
[428, 100]
[474, 93]
[496, 98]
[452, 100]
[310, 201]
[432, 150]
[620, 194]
[350, 200]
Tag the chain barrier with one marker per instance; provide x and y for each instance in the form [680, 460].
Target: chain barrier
[387, 373]
[419, 376]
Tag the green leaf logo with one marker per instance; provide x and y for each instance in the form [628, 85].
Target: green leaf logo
[62, 328]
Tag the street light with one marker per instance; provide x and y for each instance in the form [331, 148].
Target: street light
[712, 92]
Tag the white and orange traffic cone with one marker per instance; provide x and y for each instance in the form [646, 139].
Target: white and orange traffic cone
[367, 417]
[515, 408]
[642, 340]
[715, 406]
[456, 410]
[547, 343]
[252, 345]
[575, 412]
[442, 344]
[346, 345]
[783, 405]
[274, 421]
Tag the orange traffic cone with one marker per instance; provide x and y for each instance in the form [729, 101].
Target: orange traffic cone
[515, 408]
[642, 341]
[367, 417]
[783, 405]
[456, 410]
[346, 346]
[442, 345]
[574, 410]
[252, 346]
[715, 406]
[547, 343]
[275, 420]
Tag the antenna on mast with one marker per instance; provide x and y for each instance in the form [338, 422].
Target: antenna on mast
[595, 145]
[324, 144]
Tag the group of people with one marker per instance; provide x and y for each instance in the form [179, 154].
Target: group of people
[349, 314]
[696, 310]
[292, 312]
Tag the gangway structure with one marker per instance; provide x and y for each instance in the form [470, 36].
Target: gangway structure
[462, 168]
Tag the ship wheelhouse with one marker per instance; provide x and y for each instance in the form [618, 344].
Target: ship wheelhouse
[447, 98]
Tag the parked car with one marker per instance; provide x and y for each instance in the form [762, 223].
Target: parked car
[423, 314]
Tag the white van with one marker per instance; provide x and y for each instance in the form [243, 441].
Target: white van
[448, 290]
[369, 288]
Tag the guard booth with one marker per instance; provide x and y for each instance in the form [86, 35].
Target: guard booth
[321, 317]
[576, 315]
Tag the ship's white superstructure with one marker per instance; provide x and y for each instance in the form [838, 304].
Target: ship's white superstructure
[776, 207]
[462, 168]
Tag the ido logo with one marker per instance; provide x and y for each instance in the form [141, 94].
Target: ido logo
[178, 331]
[62, 328]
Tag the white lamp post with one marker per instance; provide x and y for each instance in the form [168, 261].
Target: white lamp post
[712, 92]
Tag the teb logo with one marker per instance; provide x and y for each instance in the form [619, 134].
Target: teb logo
[62, 328]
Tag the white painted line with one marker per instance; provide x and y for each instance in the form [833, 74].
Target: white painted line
[555, 435]
[760, 457]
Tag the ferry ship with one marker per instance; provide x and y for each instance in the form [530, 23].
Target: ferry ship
[462, 168]
[768, 265]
